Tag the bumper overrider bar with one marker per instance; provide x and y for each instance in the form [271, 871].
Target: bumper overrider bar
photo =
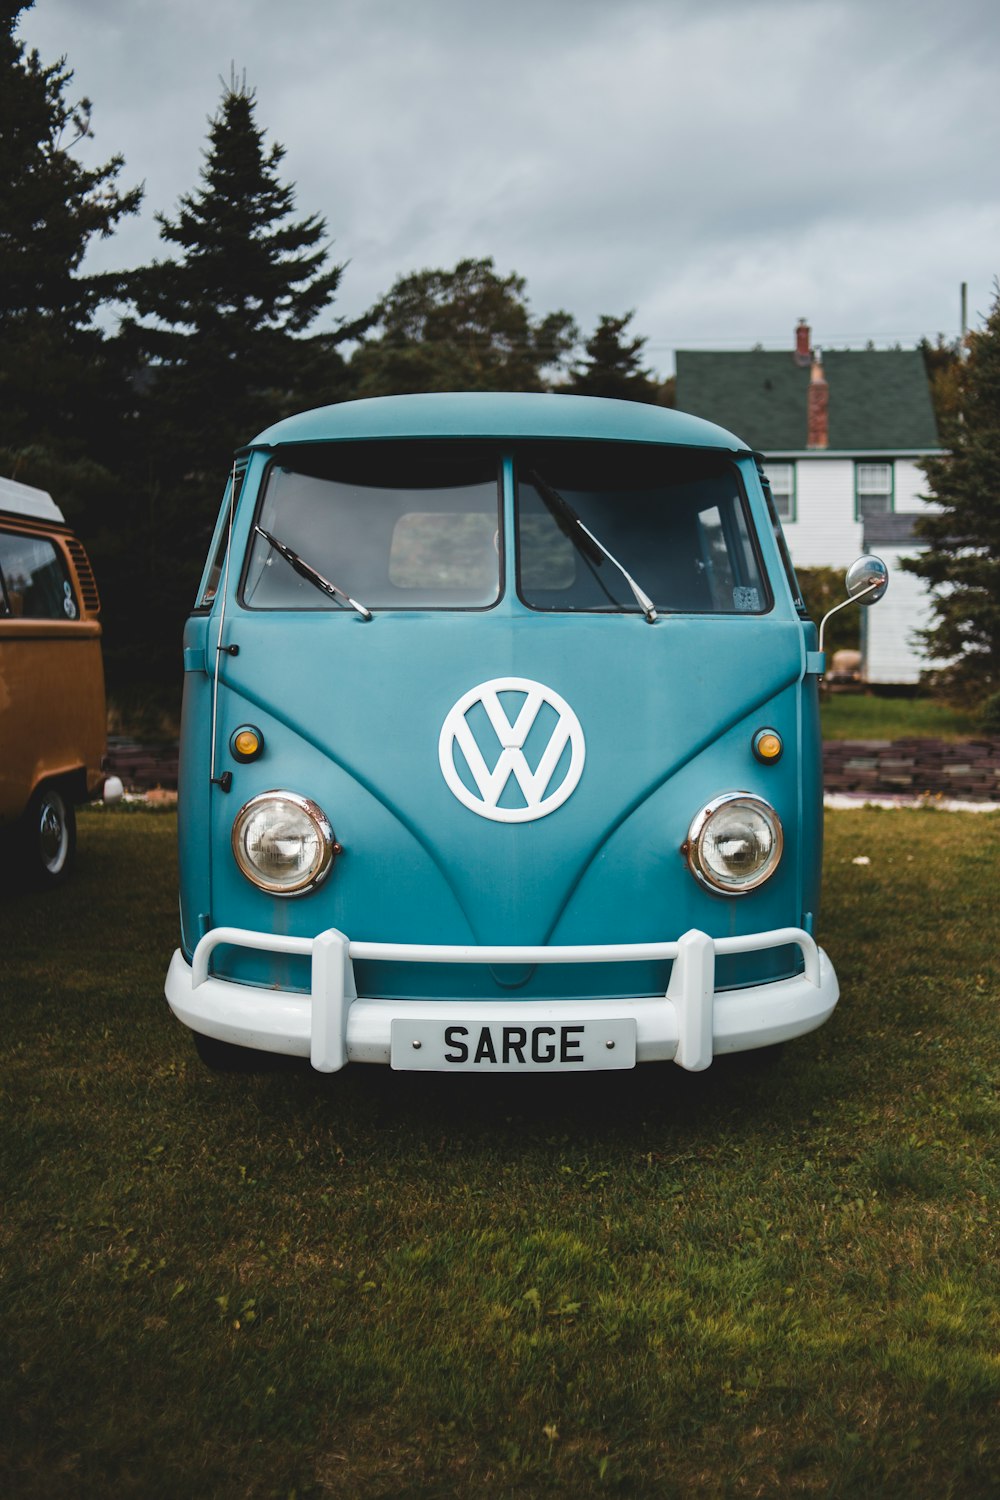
[689, 1024]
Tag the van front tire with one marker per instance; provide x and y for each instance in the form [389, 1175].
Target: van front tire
[48, 837]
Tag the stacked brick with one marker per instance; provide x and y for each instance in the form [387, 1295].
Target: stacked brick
[142, 768]
[969, 769]
[915, 768]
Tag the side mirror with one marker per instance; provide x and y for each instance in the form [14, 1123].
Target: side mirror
[866, 582]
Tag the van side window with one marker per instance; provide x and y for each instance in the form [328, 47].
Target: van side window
[779, 537]
[213, 576]
[214, 568]
[36, 584]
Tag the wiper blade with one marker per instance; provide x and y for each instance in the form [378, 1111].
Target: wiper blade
[312, 575]
[570, 525]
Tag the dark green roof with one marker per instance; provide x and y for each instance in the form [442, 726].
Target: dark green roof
[879, 399]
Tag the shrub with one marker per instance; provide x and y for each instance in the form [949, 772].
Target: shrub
[988, 717]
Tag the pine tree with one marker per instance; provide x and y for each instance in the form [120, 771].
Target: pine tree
[220, 349]
[222, 326]
[51, 208]
[943, 363]
[962, 560]
[613, 366]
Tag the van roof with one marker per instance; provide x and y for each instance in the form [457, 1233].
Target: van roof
[24, 500]
[490, 414]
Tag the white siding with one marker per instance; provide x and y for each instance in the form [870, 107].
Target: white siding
[911, 485]
[824, 533]
[889, 653]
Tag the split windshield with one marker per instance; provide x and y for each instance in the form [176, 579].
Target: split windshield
[418, 525]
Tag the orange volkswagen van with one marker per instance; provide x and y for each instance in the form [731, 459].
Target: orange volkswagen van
[52, 709]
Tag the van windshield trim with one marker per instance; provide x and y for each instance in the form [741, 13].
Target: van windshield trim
[666, 482]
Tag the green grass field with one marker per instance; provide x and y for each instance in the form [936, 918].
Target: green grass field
[740, 1283]
[858, 716]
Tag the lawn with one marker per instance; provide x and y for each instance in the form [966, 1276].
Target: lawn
[860, 716]
[734, 1284]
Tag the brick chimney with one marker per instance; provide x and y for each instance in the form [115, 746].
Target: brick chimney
[803, 354]
[818, 410]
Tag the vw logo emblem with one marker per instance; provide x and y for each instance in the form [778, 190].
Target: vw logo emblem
[480, 737]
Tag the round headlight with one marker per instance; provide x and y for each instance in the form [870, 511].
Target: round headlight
[283, 843]
[734, 844]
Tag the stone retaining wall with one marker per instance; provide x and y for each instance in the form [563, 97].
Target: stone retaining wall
[143, 767]
[915, 767]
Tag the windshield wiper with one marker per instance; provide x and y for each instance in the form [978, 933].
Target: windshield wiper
[570, 525]
[312, 575]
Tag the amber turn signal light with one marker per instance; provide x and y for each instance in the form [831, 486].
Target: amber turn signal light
[247, 743]
[767, 746]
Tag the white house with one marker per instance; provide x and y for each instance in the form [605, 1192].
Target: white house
[842, 435]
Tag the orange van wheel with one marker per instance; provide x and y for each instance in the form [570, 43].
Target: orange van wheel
[49, 836]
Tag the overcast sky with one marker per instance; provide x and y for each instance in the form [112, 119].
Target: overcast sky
[723, 167]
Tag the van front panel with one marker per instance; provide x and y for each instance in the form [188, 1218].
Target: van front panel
[511, 674]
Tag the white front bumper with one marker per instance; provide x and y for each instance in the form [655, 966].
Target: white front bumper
[689, 1025]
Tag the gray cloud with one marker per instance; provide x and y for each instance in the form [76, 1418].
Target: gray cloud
[723, 167]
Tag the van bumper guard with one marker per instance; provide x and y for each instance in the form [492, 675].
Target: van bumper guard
[689, 1024]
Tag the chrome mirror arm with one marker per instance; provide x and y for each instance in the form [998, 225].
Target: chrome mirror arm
[858, 598]
[867, 580]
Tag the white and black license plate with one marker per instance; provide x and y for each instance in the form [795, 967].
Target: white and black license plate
[490, 1047]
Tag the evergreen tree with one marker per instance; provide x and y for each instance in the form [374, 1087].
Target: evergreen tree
[51, 207]
[962, 561]
[222, 326]
[468, 329]
[943, 363]
[613, 365]
[221, 349]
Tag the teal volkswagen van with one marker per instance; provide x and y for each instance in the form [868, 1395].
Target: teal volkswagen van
[500, 745]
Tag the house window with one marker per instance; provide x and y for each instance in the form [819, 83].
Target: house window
[872, 490]
[782, 477]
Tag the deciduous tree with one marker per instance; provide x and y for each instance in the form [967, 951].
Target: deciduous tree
[467, 329]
